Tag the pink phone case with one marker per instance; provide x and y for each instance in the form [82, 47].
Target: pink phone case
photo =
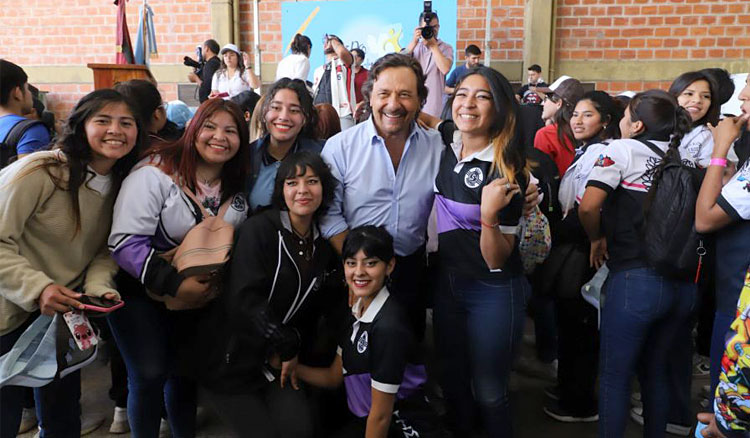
[94, 308]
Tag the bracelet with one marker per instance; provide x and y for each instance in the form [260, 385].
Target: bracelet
[718, 162]
[484, 224]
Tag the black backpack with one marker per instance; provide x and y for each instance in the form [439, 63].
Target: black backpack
[672, 245]
[8, 151]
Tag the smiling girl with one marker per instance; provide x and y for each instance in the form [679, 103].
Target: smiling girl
[56, 208]
[152, 216]
[696, 91]
[289, 120]
[274, 281]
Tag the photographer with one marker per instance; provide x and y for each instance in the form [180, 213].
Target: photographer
[204, 68]
[435, 56]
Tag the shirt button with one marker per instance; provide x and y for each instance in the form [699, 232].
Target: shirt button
[301, 253]
[301, 242]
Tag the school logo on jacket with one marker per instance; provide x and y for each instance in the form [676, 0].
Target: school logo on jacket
[238, 203]
[362, 343]
[603, 161]
[473, 178]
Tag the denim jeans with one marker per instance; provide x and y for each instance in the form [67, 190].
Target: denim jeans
[144, 332]
[478, 329]
[57, 403]
[722, 321]
[641, 322]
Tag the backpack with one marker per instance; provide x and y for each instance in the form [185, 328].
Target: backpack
[8, 151]
[204, 250]
[672, 246]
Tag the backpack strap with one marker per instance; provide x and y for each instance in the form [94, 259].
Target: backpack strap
[653, 148]
[205, 213]
[14, 136]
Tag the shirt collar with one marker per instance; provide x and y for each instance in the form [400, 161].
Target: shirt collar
[372, 131]
[487, 154]
[374, 309]
[268, 159]
[286, 223]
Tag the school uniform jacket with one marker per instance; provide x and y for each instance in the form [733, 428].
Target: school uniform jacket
[264, 301]
[151, 216]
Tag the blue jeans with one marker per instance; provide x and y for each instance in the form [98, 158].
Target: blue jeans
[144, 330]
[641, 321]
[482, 321]
[57, 403]
[722, 321]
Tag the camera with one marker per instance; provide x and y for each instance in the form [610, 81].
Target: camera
[427, 31]
[197, 65]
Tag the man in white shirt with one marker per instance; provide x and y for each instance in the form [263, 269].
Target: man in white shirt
[333, 82]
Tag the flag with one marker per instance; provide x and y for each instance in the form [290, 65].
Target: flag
[124, 46]
[145, 41]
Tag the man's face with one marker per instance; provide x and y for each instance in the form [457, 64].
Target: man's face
[434, 23]
[328, 47]
[472, 60]
[394, 101]
[357, 59]
[28, 99]
[533, 76]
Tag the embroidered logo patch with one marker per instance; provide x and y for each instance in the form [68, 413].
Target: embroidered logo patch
[362, 343]
[238, 203]
[603, 161]
[473, 178]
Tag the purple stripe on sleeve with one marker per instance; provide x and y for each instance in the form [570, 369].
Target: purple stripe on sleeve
[452, 215]
[131, 255]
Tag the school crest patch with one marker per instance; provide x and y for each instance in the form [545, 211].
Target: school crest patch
[362, 343]
[603, 161]
[473, 178]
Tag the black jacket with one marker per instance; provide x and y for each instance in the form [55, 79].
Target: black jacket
[207, 75]
[264, 303]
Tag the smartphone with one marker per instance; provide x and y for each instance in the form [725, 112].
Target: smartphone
[97, 304]
[698, 428]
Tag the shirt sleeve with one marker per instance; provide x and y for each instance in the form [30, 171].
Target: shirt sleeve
[390, 347]
[451, 81]
[20, 282]
[333, 221]
[35, 138]
[447, 128]
[735, 195]
[100, 275]
[136, 216]
[447, 51]
[215, 82]
[609, 167]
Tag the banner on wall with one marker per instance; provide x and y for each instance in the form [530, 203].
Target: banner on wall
[377, 27]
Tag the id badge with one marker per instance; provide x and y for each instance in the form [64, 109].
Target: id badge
[80, 327]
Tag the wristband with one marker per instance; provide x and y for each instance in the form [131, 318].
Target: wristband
[485, 224]
[718, 162]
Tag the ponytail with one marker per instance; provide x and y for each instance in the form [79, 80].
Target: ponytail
[683, 123]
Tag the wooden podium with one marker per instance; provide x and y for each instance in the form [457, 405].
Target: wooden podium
[107, 75]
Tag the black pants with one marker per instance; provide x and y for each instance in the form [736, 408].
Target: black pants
[271, 412]
[407, 287]
[578, 353]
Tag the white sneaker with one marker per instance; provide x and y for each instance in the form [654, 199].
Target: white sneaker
[28, 420]
[120, 422]
[675, 429]
[164, 431]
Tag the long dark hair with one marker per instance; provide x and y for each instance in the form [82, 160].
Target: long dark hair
[609, 111]
[75, 145]
[144, 95]
[240, 65]
[182, 157]
[685, 80]
[510, 157]
[305, 103]
[301, 44]
[562, 120]
[664, 119]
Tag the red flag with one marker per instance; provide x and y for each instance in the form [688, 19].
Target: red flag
[124, 46]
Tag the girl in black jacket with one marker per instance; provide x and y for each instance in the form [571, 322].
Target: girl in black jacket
[275, 274]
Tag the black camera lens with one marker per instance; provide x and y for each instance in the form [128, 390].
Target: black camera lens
[428, 32]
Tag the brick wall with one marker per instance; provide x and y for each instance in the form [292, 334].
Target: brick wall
[77, 32]
[653, 29]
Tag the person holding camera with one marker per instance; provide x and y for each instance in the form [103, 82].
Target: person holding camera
[435, 57]
[204, 68]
